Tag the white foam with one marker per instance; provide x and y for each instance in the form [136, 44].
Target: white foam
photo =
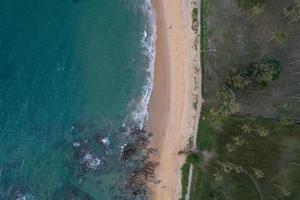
[140, 115]
[91, 161]
[122, 147]
[25, 197]
[105, 141]
[76, 144]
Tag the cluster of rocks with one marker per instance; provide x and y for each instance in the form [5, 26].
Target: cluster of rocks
[137, 181]
[136, 150]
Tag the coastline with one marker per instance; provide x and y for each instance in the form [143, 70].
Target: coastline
[172, 116]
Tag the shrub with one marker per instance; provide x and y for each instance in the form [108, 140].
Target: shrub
[236, 80]
[193, 158]
[279, 37]
[264, 72]
[292, 11]
[227, 102]
[286, 121]
[195, 23]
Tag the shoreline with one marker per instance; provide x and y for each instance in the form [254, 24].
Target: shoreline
[172, 116]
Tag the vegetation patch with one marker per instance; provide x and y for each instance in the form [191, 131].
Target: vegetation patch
[246, 158]
[195, 23]
[250, 3]
[258, 50]
[248, 136]
[185, 169]
[259, 75]
[203, 32]
[292, 11]
[264, 72]
[193, 158]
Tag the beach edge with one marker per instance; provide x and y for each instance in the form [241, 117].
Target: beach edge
[177, 87]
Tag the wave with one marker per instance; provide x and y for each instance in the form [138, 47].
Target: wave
[140, 115]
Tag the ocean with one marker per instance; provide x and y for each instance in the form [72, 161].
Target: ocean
[75, 78]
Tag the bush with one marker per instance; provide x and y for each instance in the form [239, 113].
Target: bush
[185, 169]
[193, 159]
[195, 23]
[286, 121]
[292, 11]
[227, 102]
[264, 72]
[236, 80]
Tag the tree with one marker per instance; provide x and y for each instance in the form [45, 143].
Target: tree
[230, 148]
[238, 169]
[227, 102]
[279, 37]
[236, 80]
[292, 11]
[258, 173]
[226, 167]
[286, 121]
[264, 72]
[262, 132]
[257, 10]
[246, 128]
[285, 191]
[218, 176]
[239, 141]
[193, 158]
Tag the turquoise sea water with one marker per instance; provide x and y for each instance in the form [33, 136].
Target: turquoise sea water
[74, 76]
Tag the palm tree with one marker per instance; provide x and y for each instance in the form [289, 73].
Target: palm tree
[230, 148]
[218, 176]
[238, 140]
[238, 169]
[279, 37]
[292, 11]
[236, 80]
[264, 72]
[258, 173]
[226, 167]
[262, 132]
[257, 10]
[285, 191]
[286, 121]
[227, 102]
[246, 128]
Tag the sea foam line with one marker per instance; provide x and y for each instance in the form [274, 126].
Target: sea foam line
[140, 115]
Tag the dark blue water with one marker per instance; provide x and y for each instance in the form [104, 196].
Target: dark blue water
[72, 77]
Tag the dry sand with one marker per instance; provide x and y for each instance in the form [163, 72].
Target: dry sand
[171, 114]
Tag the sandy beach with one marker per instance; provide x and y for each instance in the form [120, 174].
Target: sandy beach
[172, 117]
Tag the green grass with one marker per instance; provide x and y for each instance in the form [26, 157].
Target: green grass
[203, 32]
[207, 131]
[185, 179]
[236, 36]
[249, 3]
[202, 188]
[277, 155]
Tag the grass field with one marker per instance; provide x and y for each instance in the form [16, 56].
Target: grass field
[253, 154]
[184, 179]
[237, 37]
[272, 161]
